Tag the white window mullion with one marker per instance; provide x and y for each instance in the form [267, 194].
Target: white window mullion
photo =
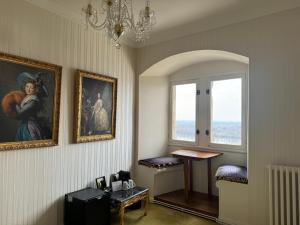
[202, 123]
[208, 107]
[198, 113]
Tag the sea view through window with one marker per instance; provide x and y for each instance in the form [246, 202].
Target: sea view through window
[209, 113]
[223, 131]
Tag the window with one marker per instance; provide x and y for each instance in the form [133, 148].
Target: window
[226, 112]
[184, 112]
[210, 112]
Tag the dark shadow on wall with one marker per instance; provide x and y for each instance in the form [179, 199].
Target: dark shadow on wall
[52, 215]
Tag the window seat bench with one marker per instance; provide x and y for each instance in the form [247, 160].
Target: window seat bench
[232, 183]
[232, 173]
[160, 174]
[160, 162]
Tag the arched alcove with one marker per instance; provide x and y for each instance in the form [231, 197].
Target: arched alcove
[153, 101]
[176, 62]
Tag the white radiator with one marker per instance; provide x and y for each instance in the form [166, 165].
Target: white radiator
[284, 195]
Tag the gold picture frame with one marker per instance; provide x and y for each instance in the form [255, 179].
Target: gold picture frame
[30, 93]
[95, 107]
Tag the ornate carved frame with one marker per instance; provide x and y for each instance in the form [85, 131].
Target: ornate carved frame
[56, 71]
[78, 106]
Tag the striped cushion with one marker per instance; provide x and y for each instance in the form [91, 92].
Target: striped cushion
[160, 162]
[232, 173]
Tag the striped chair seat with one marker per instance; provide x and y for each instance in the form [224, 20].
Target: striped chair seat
[160, 162]
[232, 173]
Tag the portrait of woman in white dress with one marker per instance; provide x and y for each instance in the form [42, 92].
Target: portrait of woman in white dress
[97, 115]
[96, 99]
[100, 116]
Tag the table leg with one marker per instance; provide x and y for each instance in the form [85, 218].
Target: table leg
[191, 175]
[188, 176]
[146, 204]
[186, 179]
[209, 177]
[121, 214]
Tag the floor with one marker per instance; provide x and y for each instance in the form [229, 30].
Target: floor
[198, 203]
[160, 215]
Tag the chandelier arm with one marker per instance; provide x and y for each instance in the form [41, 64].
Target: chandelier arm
[120, 6]
[127, 23]
[131, 16]
[94, 25]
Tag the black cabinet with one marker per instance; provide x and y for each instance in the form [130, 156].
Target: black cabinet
[87, 207]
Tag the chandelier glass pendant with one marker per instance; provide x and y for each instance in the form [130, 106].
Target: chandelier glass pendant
[119, 19]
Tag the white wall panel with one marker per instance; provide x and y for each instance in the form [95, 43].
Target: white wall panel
[153, 117]
[33, 182]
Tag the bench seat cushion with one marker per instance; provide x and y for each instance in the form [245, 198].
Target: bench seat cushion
[232, 173]
[160, 162]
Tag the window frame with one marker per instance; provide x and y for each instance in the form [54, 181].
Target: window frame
[243, 145]
[171, 115]
[203, 119]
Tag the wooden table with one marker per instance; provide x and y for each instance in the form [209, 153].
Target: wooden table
[129, 197]
[188, 156]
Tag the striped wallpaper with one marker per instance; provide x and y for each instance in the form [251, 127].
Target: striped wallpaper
[33, 182]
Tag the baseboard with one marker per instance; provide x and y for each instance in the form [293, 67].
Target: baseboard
[225, 221]
[185, 210]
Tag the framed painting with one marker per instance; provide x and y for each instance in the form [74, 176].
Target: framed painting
[95, 107]
[30, 101]
[101, 183]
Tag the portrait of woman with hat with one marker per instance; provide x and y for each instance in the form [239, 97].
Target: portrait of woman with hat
[25, 105]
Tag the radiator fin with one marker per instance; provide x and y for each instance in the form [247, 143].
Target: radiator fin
[284, 195]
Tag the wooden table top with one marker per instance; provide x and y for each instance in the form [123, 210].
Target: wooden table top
[195, 154]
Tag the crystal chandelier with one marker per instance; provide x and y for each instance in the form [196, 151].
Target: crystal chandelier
[119, 19]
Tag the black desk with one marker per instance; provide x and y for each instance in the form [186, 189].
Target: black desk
[88, 206]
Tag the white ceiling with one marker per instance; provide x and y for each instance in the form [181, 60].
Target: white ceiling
[176, 18]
